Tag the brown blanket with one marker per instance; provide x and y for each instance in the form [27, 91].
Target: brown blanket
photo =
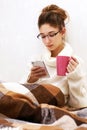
[19, 110]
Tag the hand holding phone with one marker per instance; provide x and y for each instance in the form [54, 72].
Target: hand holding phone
[41, 64]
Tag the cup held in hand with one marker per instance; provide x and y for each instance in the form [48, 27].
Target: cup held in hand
[61, 64]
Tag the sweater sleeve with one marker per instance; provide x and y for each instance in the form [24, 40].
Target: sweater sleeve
[77, 88]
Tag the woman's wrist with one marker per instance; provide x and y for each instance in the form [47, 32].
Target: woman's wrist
[31, 79]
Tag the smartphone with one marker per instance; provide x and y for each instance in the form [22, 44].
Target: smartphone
[41, 64]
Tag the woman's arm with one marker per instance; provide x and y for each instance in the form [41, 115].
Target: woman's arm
[77, 85]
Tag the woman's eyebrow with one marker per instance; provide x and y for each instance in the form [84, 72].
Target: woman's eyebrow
[46, 33]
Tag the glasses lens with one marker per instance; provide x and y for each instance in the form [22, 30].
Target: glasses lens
[41, 36]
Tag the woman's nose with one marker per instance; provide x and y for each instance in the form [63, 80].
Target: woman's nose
[47, 39]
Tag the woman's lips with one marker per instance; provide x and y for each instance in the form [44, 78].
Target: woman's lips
[49, 46]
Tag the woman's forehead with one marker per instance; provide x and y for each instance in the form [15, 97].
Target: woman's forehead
[47, 28]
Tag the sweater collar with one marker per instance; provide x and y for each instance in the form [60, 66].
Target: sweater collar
[51, 61]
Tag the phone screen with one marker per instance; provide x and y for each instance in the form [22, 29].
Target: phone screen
[41, 64]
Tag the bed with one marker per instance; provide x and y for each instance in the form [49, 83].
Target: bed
[37, 107]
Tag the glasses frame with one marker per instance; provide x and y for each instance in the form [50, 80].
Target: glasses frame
[48, 35]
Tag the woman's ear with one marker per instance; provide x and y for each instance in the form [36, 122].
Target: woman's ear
[63, 30]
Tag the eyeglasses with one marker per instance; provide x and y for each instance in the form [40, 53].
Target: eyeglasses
[50, 35]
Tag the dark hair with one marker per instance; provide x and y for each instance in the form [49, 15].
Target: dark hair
[53, 15]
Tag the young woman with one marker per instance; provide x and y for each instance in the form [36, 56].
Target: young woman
[51, 23]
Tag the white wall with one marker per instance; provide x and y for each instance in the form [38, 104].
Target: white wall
[18, 30]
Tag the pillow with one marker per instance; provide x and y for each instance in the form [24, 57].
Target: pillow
[20, 106]
[47, 93]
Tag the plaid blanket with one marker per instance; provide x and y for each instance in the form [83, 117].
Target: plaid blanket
[40, 107]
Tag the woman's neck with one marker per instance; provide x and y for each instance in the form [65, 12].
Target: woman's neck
[57, 51]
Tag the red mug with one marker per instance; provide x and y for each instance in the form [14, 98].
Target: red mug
[61, 65]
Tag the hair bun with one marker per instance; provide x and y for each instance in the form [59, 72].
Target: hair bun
[55, 9]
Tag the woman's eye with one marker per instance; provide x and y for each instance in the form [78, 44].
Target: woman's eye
[51, 35]
[43, 36]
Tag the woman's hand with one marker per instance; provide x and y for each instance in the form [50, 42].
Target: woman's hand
[73, 63]
[36, 73]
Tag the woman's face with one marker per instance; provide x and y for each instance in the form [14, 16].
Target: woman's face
[51, 37]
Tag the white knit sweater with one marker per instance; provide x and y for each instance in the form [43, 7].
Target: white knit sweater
[73, 84]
